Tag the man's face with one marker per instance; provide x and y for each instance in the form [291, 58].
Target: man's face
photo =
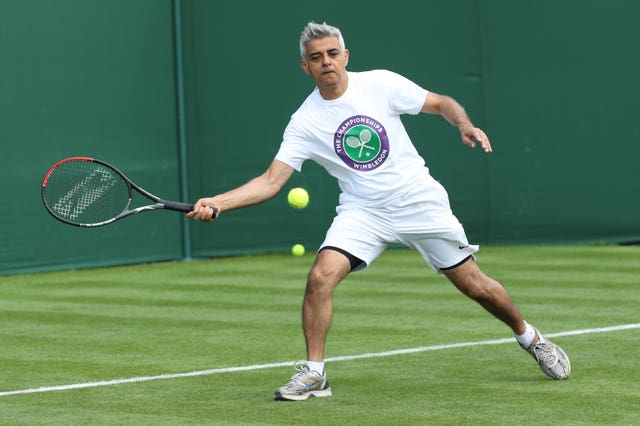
[326, 63]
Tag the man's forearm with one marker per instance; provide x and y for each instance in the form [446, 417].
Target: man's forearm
[454, 113]
[255, 191]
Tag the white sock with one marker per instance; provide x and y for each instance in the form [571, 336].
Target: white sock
[316, 366]
[527, 337]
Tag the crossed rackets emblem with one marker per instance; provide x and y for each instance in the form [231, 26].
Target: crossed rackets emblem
[363, 143]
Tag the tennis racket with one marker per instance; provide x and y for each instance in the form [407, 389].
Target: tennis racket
[86, 192]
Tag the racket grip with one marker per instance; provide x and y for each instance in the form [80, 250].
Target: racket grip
[180, 207]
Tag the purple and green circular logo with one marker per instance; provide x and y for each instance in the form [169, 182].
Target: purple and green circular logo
[362, 143]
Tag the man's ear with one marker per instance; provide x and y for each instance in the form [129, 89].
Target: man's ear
[304, 66]
[346, 57]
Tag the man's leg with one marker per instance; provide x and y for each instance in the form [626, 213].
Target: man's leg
[326, 273]
[489, 293]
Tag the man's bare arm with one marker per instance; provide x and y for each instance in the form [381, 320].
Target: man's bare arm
[258, 190]
[455, 114]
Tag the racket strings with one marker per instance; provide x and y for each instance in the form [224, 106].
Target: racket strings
[86, 192]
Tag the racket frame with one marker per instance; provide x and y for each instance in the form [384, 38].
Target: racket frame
[159, 203]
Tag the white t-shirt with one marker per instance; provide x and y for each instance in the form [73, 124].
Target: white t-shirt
[359, 138]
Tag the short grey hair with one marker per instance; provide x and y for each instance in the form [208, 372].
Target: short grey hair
[314, 31]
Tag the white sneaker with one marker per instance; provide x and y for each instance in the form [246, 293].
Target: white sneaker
[553, 361]
[304, 384]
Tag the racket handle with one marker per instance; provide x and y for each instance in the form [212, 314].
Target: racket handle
[180, 207]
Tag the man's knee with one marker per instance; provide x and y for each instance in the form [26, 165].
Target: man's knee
[321, 282]
[470, 280]
[320, 277]
[328, 270]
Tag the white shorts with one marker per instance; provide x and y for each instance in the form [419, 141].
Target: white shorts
[421, 220]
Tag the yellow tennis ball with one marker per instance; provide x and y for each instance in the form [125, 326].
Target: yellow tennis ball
[298, 198]
[297, 250]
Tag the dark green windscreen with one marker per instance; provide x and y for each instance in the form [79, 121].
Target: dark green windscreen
[554, 84]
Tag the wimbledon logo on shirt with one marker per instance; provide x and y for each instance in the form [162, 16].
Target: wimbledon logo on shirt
[362, 143]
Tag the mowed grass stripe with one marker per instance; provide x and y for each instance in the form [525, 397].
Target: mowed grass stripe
[236, 369]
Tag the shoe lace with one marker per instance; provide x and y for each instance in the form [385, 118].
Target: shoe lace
[301, 370]
[545, 353]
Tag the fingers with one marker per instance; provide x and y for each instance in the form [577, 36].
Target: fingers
[482, 138]
[203, 212]
[477, 135]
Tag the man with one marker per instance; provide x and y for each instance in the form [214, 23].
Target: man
[350, 124]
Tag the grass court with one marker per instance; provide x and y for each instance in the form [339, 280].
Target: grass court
[207, 342]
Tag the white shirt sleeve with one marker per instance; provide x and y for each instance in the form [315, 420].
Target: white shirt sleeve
[405, 96]
[293, 149]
